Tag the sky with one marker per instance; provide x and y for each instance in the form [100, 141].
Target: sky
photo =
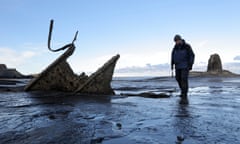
[141, 31]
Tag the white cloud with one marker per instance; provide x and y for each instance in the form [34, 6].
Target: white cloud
[236, 58]
[87, 64]
[202, 44]
[141, 59]
[91, 64]
[147, 70]
[28, 54]
[13, 58]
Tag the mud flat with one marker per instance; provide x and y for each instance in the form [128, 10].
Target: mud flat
[56, 117]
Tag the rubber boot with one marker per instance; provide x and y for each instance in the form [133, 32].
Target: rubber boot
[181, 95]
[184, 100]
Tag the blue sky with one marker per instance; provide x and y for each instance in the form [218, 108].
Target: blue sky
[141, 31]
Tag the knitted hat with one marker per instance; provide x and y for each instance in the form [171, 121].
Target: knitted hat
[177, 37]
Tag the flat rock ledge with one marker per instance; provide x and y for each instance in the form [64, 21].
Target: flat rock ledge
[223, 73]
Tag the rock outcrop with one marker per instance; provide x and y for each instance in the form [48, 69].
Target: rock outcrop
[9, 73]
[3, 67]
[214, 64]
[214, 68]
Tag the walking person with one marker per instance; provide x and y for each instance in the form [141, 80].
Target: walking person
[182, 60]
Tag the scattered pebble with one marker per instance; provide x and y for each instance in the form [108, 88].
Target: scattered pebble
[97, 140]
[51, 117]
[119, 126]
[180, 138]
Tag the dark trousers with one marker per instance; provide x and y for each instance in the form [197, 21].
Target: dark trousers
[182, 79]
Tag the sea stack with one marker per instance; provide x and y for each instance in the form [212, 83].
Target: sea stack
[214, 68]
[214, 64]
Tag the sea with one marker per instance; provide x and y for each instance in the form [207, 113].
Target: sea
[212, 115]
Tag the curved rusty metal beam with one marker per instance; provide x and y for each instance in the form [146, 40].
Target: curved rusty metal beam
[50, 36]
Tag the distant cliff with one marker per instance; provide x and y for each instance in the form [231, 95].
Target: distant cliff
[10, 73]
[214, 68]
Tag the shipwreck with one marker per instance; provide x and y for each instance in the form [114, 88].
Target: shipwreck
[59, 75]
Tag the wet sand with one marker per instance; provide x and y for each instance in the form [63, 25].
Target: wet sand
[212, 116]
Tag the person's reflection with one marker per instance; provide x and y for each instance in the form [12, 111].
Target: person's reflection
[182, 123]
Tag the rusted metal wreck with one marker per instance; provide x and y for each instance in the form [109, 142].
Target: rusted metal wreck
[59, 75]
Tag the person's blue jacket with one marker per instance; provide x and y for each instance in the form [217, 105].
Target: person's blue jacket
[182, 56]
